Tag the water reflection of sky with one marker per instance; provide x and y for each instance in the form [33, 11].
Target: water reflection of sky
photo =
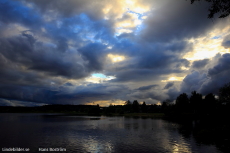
[95, 134]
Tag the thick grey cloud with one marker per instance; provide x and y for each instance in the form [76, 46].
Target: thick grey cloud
[151, 95]
[180, 20]
[218, 75]
[24, 52]
[141, 74]
[157, 60]
[62, 95]
[173, 93]
[169, 85]
[150, 61]
[93, 92]
[222, 66]
[193, 81]
[226, 42]
[147, 87]
[27, 93]
[94, 54]
[200, 63]
[211, 80]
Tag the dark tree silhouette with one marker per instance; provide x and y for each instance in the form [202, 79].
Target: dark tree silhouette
[210, 99]
[209, 103]
[165, 105]
[128, 103]
[135, 106]
[182, 102]
[195, 101]
[224, 94]
[94, 110]
[127, 106]
[217, 6]
[143, 107]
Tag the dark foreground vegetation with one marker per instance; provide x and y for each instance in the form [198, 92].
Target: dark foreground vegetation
[206, 118]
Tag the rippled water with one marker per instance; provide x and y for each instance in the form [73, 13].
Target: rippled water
[96, 134]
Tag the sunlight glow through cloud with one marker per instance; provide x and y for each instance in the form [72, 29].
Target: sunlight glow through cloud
[173, 79]
[129, 16]
[105, 103]
[116, 58]
[208, 46]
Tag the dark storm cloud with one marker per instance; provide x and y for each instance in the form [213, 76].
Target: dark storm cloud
[23, 51]
[158, 60]
[226, 42]
[173, 93]
[218, 75]
[176, 20]
[93, 92]
[94, 54]
[18, 48]
[68, 84]
[211, 80]
[222, 66]
[79, 95]
[168, 85]
[193, 81]
[148, 66]
[143, 88]
[155, 95]
[149, 60]
[133, 75]
[27, 93]
[61, 95]
[200, 63]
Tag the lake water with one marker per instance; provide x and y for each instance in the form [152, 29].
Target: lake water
[96, 134]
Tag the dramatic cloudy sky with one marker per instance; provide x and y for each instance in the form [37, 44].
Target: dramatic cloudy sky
[103, 52]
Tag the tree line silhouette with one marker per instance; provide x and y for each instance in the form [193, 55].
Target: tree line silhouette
[197, 104]
[132, 107]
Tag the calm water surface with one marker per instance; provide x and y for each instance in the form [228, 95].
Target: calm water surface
[96, 134]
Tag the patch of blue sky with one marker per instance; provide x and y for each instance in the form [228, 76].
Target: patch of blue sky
[216, 37]
[87, 29]
[139, 15]
[59, 24]
[84, 17]
[99, 75]
[91, 37]
[77, 28]
[139, 28]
